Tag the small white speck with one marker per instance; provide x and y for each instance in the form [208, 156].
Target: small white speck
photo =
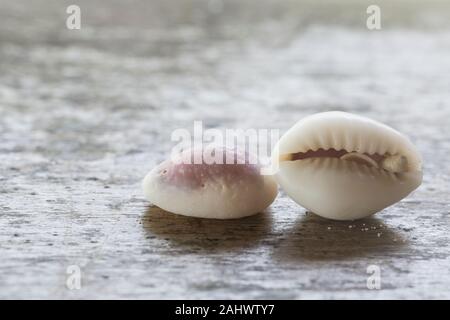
[329, 228]
[378, 234]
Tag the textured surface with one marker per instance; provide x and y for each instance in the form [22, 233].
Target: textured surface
[85, 114]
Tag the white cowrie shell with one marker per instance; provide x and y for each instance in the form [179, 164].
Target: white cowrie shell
[214, 190]
[345, 167]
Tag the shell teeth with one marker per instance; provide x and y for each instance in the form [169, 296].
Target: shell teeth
[323, 139]
[312, 145]
[336, 142]
[372, 147]
[329, 140]
[333, 164]
[382, 148]
[349, 142]
[394, 150]
[391, 149]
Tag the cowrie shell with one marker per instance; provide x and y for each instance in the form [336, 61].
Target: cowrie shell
[210, 190]
[345, 167]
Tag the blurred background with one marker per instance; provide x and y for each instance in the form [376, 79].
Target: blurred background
[138, 69]
[84, 114]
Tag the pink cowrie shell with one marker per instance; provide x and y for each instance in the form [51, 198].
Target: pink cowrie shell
[217, 190]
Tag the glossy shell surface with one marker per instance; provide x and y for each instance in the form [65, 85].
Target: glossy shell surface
[217, 190]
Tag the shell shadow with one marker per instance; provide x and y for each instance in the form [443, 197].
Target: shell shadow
[313, 238]
[206, 235]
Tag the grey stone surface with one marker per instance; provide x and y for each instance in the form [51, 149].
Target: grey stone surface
[85, 114]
